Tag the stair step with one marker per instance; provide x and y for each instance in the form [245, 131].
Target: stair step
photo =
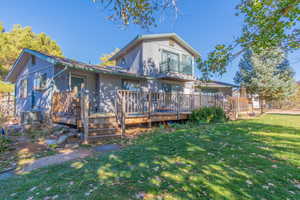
[99, 126]
[103, 136]
[102, 129]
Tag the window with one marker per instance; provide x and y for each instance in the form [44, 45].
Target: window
[170, 62]
[132, 85]
[77, 81]
[40, 81]
[167, 87]
[209, 90]
[33, 61]
[187, 64]
[23, 88]
[188, 60]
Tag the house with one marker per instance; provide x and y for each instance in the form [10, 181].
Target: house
[213, 87]
[157, 62]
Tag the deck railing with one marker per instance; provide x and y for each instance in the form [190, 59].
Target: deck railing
[77, 107]
[66, 104]
[177, 67]
[136, 102]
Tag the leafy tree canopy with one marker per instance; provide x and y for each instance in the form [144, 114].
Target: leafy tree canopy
[104, 59]
[267, 24]
[6, 87]
[12, 43]
[141, 12]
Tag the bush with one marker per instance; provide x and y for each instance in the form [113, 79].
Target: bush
[209, 115]
[4, 144]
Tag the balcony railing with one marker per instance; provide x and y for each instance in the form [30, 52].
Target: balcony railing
[176, 67]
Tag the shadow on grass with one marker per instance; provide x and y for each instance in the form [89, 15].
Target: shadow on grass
[225, 161]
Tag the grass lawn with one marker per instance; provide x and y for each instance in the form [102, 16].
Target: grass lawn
[249, 159]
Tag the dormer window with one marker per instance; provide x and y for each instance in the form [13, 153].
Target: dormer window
[33, 61]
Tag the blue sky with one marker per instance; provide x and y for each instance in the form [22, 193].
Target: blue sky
[81, 29]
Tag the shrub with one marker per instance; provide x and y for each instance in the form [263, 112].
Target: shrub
[208, 115]
[4, 144]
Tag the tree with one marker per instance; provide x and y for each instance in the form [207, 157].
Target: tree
[267, 24]
[295, 99]
[12, 43]
[104, 59]
[266, 74]
[141, 12]
[6, 87]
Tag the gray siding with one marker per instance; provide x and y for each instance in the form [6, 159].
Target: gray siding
[62, 80]
[152, 51]
[42, 98]
[108, 85]
[145, 58]
[133, 59]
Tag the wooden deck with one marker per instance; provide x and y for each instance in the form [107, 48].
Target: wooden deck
[110, 118]
[131, 108]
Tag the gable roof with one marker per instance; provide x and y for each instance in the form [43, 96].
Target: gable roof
[140, 38]
[114, 70]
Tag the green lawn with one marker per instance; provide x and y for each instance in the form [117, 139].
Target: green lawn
[249, 159]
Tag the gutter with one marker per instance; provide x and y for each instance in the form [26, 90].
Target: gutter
[103, 72]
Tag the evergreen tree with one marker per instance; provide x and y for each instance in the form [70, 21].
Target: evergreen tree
[266, 74]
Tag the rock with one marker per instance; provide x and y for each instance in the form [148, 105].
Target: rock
[50, 141]
[72, 146]
[62, 139]
[59, 132]
[106, 148]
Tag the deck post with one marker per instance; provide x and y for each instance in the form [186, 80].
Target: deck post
[178, 105]
[149, 109]
[191, 102]
[84, 111]
[123, 115]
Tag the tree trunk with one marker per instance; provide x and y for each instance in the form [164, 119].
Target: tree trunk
[261, 104]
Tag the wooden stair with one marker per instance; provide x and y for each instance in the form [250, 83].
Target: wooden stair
[103, 127]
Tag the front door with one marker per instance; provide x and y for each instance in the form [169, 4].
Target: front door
[77, 81]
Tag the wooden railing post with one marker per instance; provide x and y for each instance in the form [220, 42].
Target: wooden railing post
[84, 111]
[149, 109]
[123, 115]
[178, 105]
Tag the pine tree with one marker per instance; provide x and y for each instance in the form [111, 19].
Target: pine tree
[266, 74]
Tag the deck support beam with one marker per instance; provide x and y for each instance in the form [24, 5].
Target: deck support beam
[84, 111]
[149, 110]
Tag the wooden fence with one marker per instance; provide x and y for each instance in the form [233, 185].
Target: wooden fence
[7, 105]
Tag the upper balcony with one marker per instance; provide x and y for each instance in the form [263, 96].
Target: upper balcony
[175, 70]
